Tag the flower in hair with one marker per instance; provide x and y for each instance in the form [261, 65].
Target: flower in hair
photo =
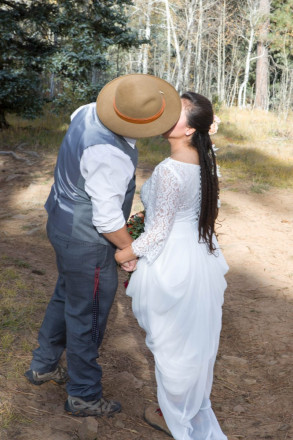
[215, 125]
[214, 149]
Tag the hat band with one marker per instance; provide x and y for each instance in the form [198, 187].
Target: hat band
[140, 120]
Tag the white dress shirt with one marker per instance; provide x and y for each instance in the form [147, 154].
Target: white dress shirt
[107, 172]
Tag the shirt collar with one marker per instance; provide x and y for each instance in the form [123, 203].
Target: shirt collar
[130, 141]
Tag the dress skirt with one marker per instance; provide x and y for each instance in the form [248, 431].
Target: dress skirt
[178, 301]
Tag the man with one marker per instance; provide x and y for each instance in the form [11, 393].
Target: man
[88, 206]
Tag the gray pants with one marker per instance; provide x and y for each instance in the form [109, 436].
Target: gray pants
[77, 314]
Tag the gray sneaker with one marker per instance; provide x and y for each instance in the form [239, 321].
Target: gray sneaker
[59, 376]
[80, 408]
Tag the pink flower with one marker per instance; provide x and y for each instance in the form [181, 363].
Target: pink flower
[214, 127]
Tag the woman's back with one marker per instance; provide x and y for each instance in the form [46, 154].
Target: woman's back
[182, 182]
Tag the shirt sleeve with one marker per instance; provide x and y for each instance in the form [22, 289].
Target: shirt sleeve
[76, 111]
[107, 172]
[163, 202]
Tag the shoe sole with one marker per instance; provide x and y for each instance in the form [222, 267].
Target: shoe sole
[81, 413]
[157, 427]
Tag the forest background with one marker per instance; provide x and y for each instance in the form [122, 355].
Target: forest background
[64, 51]
[56, 55]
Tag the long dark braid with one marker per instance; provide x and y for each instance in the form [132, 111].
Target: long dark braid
[200, 116]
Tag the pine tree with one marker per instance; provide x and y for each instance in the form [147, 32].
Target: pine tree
[88, 29]
[24, 48]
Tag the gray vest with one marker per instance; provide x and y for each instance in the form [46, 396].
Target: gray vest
[69, 207]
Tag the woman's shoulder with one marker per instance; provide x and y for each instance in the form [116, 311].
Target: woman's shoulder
[164, 167]
[166, 171]
[177, 166]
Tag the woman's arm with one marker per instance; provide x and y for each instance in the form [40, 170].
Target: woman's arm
[125, 255]
[163, 201]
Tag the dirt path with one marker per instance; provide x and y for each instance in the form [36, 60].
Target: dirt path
[252, 394]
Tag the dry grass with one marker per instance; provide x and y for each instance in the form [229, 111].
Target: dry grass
[44, 133]
[257, 128]
[21, 304]
[255, 146]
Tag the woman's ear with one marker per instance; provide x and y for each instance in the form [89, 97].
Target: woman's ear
[189, 131]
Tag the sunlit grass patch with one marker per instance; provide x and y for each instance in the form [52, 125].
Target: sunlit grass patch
[6, 341]
[259, 188]
[21, 302]
[45, 132]
[243, 125]
[20, 263]
[254, 145]
[255, 166]
[152, 150]
[9, 415]
[9, 273]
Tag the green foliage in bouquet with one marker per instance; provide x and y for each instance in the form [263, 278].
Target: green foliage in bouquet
[135, 225]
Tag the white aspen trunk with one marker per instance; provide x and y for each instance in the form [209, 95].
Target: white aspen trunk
[130, 61]
[52, 85]
[199, 46]
[234, 89]
[206, 88]
[243, 87]
[178, 66]
[190, 12]
[286, 86]
[145, 50]
[262, 64]
[140, 51]
[222, 88]
[155, 60]
[168, 25]
[233, 62]
[219, 61]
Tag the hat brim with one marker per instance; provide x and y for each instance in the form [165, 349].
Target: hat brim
[111, 120]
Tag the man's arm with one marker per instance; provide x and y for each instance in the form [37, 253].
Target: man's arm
[107, 172]
[121, 238]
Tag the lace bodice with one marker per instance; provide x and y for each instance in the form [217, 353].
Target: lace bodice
[171, 194]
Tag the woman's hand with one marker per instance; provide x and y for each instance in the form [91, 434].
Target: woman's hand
[130, 266]
[126, 258]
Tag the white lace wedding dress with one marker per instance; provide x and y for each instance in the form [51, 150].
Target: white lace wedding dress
[177, 295]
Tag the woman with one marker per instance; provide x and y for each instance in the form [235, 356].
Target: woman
[178, 287]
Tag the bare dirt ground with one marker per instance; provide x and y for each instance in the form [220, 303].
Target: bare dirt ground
[252, 394]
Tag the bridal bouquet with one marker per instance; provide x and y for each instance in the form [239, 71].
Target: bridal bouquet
[135, 227]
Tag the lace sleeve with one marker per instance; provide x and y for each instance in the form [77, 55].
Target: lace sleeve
[162, 207]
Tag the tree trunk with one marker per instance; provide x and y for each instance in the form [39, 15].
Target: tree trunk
[262, 64]
[145, 55]
[242, 89]
[3, 123]
[199, 47]
[179, 79]
[223, 91]
[168, 19]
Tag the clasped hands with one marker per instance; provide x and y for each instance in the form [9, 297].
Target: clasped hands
[126, 259]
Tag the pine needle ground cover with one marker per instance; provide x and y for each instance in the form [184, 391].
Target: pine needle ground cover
[252, 394]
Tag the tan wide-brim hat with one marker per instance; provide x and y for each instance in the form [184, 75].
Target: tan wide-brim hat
[138, 105]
